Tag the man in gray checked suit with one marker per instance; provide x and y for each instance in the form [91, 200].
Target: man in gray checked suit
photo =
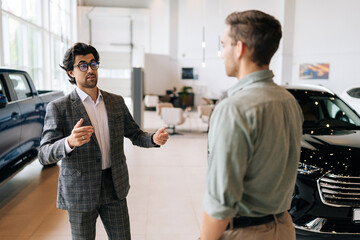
[86, 130]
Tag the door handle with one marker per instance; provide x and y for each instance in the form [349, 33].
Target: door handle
[39, 106]
[15, 115]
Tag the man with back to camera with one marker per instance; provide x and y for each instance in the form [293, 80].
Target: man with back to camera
[93, 178]
[254, 139]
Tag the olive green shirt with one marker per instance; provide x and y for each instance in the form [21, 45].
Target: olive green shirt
[254, 149]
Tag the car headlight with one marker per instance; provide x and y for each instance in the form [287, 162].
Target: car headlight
[304, 168]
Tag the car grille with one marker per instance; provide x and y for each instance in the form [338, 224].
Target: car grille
[339, 190]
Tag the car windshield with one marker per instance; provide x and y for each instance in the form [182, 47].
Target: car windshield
[323, 110]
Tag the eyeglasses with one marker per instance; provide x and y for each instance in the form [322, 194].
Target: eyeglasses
[85, 66]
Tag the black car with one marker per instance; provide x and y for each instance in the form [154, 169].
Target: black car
[326, 200]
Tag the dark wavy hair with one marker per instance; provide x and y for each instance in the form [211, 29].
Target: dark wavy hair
[78, 49]
[260, 33]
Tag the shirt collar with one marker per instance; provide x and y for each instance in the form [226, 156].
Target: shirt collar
[263, 75]
[83, 95]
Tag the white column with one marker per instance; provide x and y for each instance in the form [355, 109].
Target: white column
[288, 41]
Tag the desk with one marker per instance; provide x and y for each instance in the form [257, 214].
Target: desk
[182, 101]
[214, 100]
[186, 100]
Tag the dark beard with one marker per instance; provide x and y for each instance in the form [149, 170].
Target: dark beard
[88, 84]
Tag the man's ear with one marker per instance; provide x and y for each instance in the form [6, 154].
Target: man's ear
[71, 73]
[239, 49]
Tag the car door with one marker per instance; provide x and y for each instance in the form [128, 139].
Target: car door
[30, 108]
[10, 128]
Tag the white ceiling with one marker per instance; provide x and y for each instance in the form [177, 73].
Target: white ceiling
[116, 3]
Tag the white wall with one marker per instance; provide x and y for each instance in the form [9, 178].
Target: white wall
[110, 30]
[159, 26]
[318, 31]
[158, 74]
[121, 36]
[327, 31]
[313, 32]
[193, 15]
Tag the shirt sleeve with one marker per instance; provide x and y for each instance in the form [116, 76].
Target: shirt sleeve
[229, 150]
[68, 149]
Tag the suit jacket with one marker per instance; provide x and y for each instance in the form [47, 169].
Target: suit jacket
[80, 172]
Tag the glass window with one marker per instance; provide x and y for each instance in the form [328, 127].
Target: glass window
[23, 48]
[56, 2]
[34, 49]
[2, 92]
[59, 75]
[55, 19]
[115, 73]
[355, 92]
[329, 111]
[15, 43]
[21, 86]
[338, 110]
[31, 11]
[13, 6]
[30, 44]
[26, 9]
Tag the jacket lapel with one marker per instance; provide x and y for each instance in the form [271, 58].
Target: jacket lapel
[110, 114]
[109, 109]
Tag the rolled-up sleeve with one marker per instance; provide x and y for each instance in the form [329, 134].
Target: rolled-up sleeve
[229, 150]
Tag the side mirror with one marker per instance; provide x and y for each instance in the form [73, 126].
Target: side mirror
[3, 101]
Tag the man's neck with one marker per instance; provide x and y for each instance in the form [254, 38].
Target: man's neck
[248, 68]
[92, 92]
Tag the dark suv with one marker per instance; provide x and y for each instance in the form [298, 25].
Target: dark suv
[326, 200]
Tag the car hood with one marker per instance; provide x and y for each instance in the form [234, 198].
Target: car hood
[337, 151]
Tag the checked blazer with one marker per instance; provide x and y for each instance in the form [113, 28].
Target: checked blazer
[80, 171]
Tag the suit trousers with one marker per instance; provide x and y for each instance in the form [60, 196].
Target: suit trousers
[113, 213]
[280, 229]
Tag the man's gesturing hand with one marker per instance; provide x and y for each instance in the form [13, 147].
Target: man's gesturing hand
[80, 135]
[161, 136]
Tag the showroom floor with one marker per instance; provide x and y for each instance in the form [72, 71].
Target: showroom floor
[167, 186]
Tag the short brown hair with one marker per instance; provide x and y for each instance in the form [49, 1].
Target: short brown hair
[78, 49]
[260, 33]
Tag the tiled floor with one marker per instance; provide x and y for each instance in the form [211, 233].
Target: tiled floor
[167, 186]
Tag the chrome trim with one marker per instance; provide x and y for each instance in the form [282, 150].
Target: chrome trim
[341, 198]
[316, 224]
[328, 180]
[325, 185]
[327, 192]
[22, 100]
[320, 232]
[335, 176]
[339, 193]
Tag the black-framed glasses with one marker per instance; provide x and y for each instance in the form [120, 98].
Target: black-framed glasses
[85, 66]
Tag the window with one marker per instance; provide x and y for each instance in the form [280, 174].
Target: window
[26, 9]
[354, 92]
[36, 34]
[2, 92]
[21, 86]
[3, 100]
[23, 47]
[4, 89]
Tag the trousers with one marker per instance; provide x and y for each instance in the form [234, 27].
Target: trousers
[113, 213]
[280, 229]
